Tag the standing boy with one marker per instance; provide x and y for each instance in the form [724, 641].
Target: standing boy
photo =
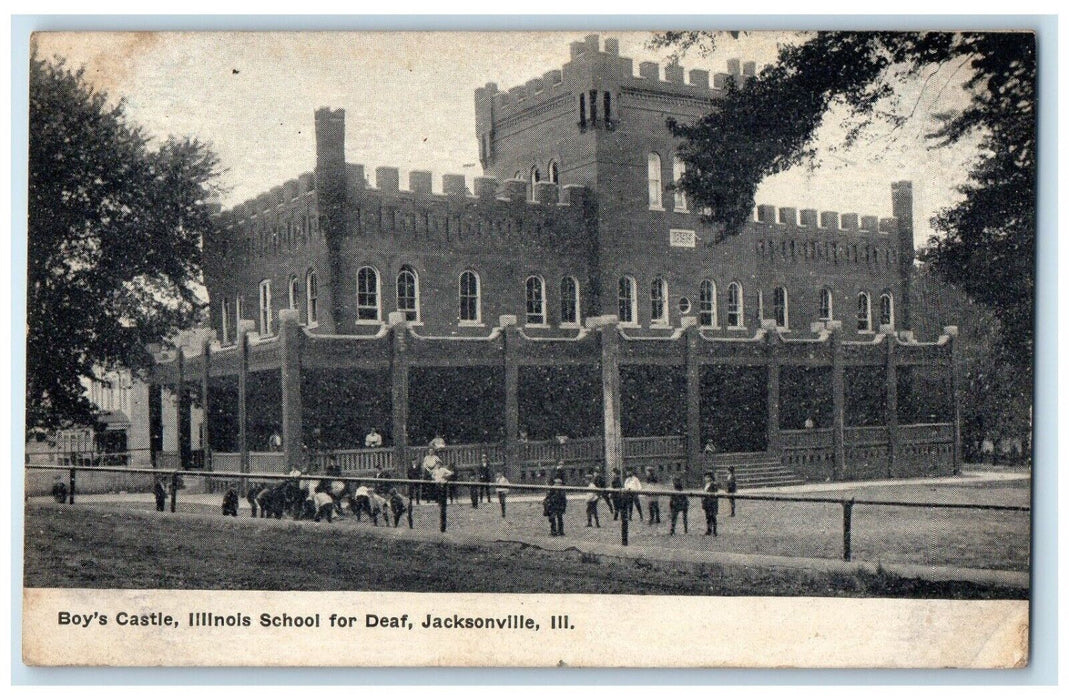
[592, 502]
[632, 488]
[732, 487]
[160, 492]
[485, 477]
[710, 504]
[653, 501]
[556, 504]
[678, 504]
[502, 491]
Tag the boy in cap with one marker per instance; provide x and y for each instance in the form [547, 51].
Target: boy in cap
[160, 492]
[710, 504]
[632, 488]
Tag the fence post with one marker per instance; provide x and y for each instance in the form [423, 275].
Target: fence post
[443, 498]
[410, 507]
[174, 492]
[848, 509]
[70, 494]
[625, 515]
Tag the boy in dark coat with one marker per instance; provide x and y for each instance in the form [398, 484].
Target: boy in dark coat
[555, 505]
[160, 492]
[732, 487]
[710, 504]
[617, 498]
[397, 506]
[678, 503]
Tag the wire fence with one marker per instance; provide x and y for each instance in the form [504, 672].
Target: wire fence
[620, 499]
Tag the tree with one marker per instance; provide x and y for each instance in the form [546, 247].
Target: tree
[115, 230]
[768, 124]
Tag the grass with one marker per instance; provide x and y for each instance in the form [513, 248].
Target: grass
[105, 546]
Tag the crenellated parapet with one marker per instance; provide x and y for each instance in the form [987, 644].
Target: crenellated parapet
[788, 234]
[486, 212]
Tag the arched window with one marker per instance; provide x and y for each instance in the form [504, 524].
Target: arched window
[826, 310]
[626, 298]
[607, 101]
[735, 317]
[408, 293]
[582, 109]
[864, 313]
[294, 292]
[707, 304]
[554, 172]
[311, 290]
[536, 300]
[470, 302]
[653, 170]
[887, 310]
[658, 301]
[678, 169]
[224, 312]
[239, 309]
[593, 107]
[569, 300]
[367, 295]
[536, 177]
[780, 308]
[265, 307]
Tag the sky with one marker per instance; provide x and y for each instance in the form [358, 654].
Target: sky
[409, 103]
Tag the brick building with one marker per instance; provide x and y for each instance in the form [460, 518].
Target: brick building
[513, 280]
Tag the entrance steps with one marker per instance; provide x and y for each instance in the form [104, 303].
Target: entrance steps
[754, 470]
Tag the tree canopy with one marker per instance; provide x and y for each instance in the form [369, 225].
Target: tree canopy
[114, 250]
[768, 124]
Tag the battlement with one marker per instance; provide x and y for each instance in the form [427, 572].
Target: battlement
[593, 66]
[788, 219]
[505, 210]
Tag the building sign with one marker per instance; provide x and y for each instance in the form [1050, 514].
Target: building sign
[681, 238]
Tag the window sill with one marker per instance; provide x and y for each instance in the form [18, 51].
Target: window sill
[860, 332]
[313, 324]
[628, 324]
[571, 324]
[536, 325]
[709, 328]
[656, 208]
[471, 324]
[660, 325]
[368, 322]
[735, 328]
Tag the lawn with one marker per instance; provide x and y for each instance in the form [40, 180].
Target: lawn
[105, 546]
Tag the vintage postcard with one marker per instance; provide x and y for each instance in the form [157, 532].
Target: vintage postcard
[676, 349]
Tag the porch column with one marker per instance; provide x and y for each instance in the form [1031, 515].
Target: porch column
[512, 395]
[292, 416]
[399, 390]
[772, 341]
[243, 395]
[951, 334]
[838, 400]
[206, 363]
[694, 397]
[610, 389]
[892, 401]
[184, 423]
[155, 423]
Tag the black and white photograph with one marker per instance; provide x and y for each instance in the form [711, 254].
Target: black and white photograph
[554, 335]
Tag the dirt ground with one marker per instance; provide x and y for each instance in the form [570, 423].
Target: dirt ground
[108, 546]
